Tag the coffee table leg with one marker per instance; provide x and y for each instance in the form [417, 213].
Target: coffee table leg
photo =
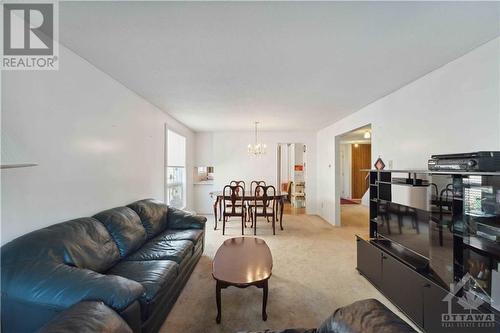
[264, 301]
[217, 297]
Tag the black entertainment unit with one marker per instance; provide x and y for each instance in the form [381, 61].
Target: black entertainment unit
[434, 247]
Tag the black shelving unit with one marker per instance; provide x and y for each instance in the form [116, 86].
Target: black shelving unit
[392, 268]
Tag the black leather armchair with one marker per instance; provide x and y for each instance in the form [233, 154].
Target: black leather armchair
[134, 259]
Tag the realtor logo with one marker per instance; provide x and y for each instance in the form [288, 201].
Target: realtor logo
[29, 31]
[471, 317]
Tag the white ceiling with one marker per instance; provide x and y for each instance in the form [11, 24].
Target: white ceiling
[290, 65]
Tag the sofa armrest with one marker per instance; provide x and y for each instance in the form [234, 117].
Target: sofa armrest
[60, 286]
[180, 219]
[87, 317]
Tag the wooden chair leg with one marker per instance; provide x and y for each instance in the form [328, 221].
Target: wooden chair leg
[243, 222]
[255, 223]
[274, 225]
[249, 217]
[224, 224]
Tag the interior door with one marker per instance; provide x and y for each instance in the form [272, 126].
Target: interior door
[361, 159]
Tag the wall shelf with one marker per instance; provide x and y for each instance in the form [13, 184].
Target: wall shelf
[19, 165]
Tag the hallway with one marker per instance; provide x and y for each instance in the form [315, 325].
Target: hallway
[354, 216]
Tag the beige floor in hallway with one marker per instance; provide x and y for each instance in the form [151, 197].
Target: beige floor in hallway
[354, 216]
[314, 273]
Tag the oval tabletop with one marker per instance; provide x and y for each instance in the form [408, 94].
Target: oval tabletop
[242, 260]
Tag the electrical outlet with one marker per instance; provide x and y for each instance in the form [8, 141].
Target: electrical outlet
[390, 164]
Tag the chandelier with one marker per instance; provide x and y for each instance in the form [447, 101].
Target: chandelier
[257, 148]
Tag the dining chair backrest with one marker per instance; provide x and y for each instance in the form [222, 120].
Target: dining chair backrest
[233, 197]
[266, 196]
[240, 183]
[254, 184]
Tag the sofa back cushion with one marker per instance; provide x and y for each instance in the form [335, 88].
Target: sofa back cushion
[125, 228]
[153, 214]
[83, 243]
[367, 315]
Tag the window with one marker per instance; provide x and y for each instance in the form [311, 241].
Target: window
[175, 170]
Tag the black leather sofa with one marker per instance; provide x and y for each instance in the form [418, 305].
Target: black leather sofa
[134, 259]
[365, 316]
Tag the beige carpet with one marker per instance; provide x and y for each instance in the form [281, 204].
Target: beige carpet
[314, 273]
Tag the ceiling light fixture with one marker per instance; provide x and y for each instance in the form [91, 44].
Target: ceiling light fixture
[367, 135]
[257, 148]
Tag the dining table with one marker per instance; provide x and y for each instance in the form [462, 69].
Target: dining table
[248, 196]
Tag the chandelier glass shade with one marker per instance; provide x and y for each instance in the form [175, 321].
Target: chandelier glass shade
[257, 148]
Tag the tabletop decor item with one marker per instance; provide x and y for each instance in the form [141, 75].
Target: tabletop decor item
[379, 164]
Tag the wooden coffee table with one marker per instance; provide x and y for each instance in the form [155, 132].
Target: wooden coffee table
[242, 262]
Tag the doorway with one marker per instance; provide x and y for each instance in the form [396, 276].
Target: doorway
[291, 176]
[355, 156]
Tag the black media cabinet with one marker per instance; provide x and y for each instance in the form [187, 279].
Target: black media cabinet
[405, 277]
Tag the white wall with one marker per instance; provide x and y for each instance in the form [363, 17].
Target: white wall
[232, 161]
[204, 155]
[98, 145]
[202, 202]
[453, 109]
[345, 170]
[285, 163]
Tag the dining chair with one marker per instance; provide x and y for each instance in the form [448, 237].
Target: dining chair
[255, 183]
[263, 205]
[232, 183]
[238, 183]
[253, 186]
[233, 205]
[243, 185]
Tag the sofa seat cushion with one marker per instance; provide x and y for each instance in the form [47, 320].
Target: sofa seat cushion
[125, 227]
[153, 214]
[156, 276]
[193, 235]
[87, 317]
[177, 251]
[366, 316]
